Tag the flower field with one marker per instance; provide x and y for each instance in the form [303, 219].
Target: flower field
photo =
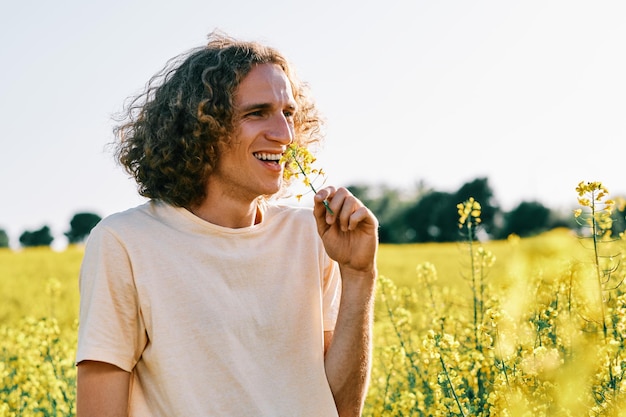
[522, 327]
[518, 327]
[38, 315]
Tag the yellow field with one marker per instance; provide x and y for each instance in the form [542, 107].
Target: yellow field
[39, 282]
[38, 315]
[532, 332]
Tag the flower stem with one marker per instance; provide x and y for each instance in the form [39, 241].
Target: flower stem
[311, 184]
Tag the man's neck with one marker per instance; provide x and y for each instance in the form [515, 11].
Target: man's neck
[228, 213]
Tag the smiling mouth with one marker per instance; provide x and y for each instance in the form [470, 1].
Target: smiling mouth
[268, 157]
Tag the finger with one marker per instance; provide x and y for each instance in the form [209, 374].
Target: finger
[319, 209]
[362, 216]
[349, 205]
[323, 200]
[324, 194]
[343, 204]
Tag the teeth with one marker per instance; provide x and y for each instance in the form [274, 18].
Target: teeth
[267, 156]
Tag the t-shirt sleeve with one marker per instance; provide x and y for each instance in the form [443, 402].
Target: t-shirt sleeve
[331, 295]
[110, 327]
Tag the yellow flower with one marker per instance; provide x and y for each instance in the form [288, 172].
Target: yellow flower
[469, 211]
[298, 160]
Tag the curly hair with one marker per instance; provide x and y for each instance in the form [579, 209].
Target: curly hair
[171, 135]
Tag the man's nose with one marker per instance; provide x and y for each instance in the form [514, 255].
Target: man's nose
[280, 129]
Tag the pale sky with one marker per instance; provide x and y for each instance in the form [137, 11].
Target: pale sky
[531, 94]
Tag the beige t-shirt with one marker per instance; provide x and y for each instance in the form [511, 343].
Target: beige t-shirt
[211, 321]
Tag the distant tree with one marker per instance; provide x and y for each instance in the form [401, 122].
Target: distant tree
[562, 219]
[432, 218]
[4, 239]
[41, 237]
[388, 204]
[527, 219]
[80, 226]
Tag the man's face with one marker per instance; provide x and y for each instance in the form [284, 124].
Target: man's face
[264, 110]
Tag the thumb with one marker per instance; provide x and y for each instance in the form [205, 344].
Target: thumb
[323, 216]
[320, 213]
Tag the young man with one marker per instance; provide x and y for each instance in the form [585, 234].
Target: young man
[211, 299]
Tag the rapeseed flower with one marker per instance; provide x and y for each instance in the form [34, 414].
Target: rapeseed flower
[594, 196]
[298, 161]
[469, 212]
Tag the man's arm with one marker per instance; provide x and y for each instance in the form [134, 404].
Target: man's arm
[348, 358]
[350, 237]
[101, 390]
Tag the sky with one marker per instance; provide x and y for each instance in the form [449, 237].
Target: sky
[529, 94]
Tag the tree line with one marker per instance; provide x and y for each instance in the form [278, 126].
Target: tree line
[427, 215]
[80, 227]
[414, 216]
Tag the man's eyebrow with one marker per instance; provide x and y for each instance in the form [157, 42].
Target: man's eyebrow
[264, 106]
[255, 106]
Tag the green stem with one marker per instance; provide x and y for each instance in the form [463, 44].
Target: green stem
[596, 254]
[445, 372]
[311, 185]
[474, 289]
